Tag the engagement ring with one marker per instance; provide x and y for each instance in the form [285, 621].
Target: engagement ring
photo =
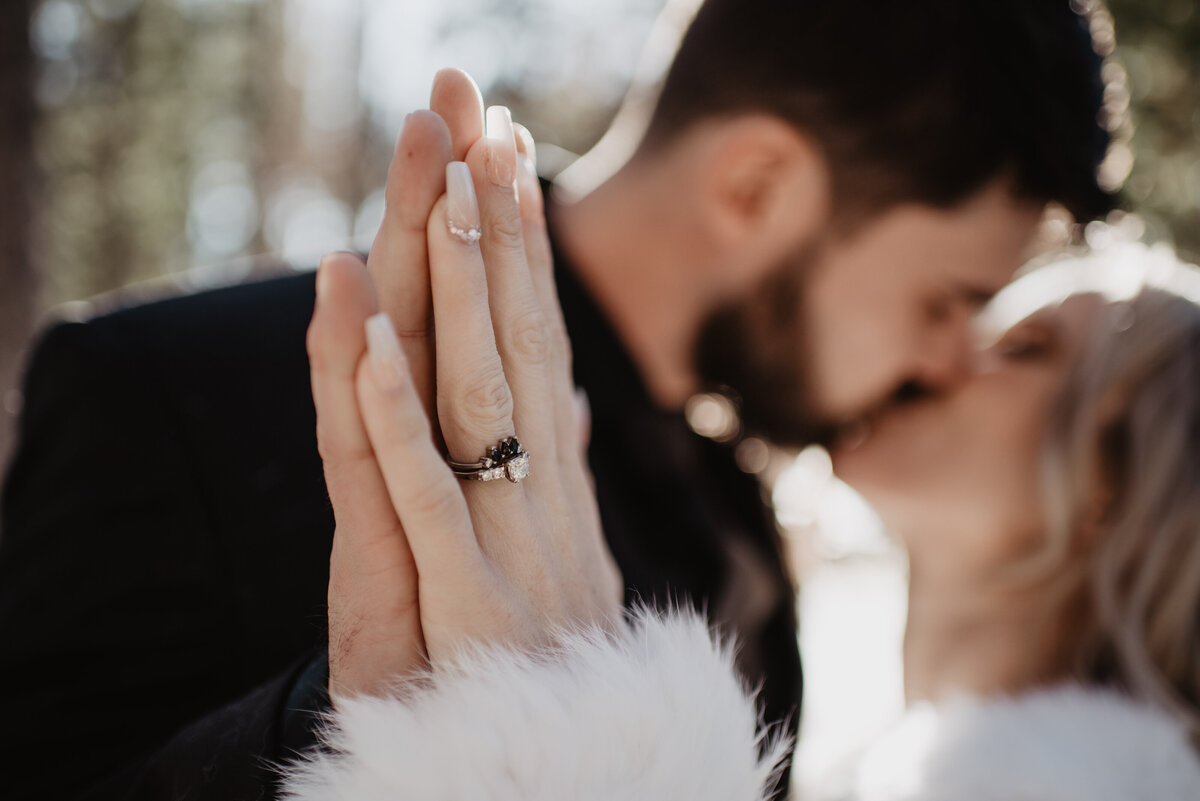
[505, 459]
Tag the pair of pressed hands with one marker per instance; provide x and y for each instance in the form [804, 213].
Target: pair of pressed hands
[423, 562]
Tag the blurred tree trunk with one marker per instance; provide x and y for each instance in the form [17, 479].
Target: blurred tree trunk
[1158, 42]
[18, 277]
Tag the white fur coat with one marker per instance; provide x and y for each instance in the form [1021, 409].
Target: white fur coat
[1067, 743]
[658, 714]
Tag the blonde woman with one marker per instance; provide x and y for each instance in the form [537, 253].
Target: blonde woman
[1050, 509]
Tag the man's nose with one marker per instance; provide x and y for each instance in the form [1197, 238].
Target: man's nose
[945, 360]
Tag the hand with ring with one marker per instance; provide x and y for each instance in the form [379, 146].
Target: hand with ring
[431, 551]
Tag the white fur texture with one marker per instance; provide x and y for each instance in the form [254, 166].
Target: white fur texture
[1064, 744]
[656, 713]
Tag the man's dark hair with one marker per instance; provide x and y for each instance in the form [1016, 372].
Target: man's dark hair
[911, 100]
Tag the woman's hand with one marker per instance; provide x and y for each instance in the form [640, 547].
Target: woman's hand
[497, 561]
[374, 621]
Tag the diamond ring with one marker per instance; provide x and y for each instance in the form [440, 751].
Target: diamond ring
[505, 459]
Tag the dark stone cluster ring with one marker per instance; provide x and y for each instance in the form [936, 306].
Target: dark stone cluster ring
[505, 459]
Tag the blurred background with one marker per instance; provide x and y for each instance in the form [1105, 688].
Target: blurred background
[142, 138]
[150, 138]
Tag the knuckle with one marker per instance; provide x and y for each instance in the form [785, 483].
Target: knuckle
[329, 448]
[488, 400]
[505, 231]
[409, 431]
[317, 344]
[435, 506]
[329, 347]
[406, 437]
[530, 339]
[391, 415]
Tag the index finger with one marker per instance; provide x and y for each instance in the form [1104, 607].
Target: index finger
[456, 99]
[398, 261]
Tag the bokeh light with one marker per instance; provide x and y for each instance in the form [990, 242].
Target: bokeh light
[220, 129]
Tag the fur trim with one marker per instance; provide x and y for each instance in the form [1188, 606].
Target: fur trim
[654, 713]
[1063, 744]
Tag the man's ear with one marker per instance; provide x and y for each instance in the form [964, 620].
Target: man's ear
[767, 185]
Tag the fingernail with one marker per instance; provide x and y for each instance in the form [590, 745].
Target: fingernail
[527, 144]
[500, 153]
[526, 167]
[387, 360]
[529, 190]
[323, 269]
[403, 125]
[462, 211]
[323, 277]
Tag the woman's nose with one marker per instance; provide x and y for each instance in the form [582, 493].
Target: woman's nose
[985, 358]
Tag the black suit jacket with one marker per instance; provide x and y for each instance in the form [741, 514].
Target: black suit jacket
[166, 536]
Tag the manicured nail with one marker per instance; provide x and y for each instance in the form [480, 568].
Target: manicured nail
[500, 152]
[527, 144]
[529, 189]
[387, 360]
[323, 277]
[324, 267]
[462, 211]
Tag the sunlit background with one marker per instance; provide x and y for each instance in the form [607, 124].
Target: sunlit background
[177, 133]
[170, 135]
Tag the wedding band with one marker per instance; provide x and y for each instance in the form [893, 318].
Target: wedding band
[505, 459]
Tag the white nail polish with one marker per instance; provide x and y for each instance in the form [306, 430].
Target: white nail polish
[323, 277]
[527, 142]
[462, 210]
[383, 346]
[529, 190]
[500, 155]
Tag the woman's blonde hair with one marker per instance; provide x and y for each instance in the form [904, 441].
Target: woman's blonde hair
[1122, 479]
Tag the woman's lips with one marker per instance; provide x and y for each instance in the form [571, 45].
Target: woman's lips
[855, 433]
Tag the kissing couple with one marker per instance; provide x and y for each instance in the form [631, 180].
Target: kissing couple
[479, 642]
[534, 592]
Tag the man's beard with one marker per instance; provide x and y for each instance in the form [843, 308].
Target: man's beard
[756, 351]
